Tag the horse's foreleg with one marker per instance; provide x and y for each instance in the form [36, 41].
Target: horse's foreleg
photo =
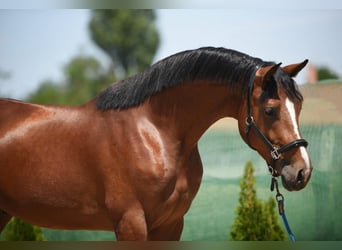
[132, 226]
[4, 219]
[168, 232]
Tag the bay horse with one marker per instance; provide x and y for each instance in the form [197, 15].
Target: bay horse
[128, 160]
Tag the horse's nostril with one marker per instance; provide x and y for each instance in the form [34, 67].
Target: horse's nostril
[300, 176]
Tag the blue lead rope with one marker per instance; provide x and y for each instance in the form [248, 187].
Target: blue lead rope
[280, 200]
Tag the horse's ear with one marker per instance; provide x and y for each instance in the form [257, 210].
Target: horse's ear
[293, 69]
[266, 73]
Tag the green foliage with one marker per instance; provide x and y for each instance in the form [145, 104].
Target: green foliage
[325, 73]
[128, 36]
[272, 229]
[256, 220]
[84, 79]
[18, 230]
[48, 93]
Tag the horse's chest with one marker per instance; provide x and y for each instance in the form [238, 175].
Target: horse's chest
[178, 202]
[187, 185]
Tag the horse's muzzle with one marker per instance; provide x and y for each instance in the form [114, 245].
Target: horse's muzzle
[294, 178]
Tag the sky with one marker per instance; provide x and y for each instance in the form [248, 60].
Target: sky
[36, 44]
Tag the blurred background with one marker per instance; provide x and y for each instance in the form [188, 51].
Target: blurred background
[37, 45]
[68, 56]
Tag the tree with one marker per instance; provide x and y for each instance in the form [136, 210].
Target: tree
[48, 93]
[256, 220]
[128, 36]
[325, 73]
[273, 230]
[18, 230]
[84, 79]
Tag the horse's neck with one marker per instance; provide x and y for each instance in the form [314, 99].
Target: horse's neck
[189, 109]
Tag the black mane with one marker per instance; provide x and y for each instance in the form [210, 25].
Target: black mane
[220, 65]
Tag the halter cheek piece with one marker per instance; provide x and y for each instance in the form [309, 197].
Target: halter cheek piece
[275, 151]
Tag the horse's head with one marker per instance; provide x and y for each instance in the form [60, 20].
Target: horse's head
[269, 123]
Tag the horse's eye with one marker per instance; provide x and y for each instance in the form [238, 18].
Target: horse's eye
[269, 111]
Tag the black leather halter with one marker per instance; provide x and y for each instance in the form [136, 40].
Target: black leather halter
[275, 151]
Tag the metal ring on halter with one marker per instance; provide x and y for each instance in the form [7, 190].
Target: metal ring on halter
[248, 123]
[249, 120]
[273, 171]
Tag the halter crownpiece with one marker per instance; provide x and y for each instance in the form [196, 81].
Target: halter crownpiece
[275, 151]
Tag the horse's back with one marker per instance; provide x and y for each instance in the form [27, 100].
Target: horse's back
[7, 106]
[13, 112]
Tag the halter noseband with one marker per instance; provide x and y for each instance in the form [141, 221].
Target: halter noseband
[275, 151]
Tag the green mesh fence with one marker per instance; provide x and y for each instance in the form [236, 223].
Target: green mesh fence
[313, 213]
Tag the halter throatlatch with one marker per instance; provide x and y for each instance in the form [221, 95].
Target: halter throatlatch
[275, 151]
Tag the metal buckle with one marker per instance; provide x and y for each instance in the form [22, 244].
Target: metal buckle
[275, 154]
